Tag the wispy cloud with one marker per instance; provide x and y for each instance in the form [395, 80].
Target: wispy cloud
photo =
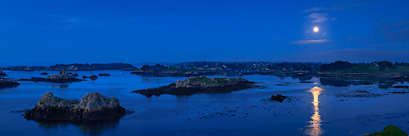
[359, 38]
[309, 41]
[318, 17]
[333, 8]
[324, 34]
[396, 31]
[333, 19]
[361, 55]
[385, 44]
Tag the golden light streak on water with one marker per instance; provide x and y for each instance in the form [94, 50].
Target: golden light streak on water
[315, 122]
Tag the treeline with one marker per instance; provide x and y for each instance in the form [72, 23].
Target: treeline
[94, 66]
[294, 66]
[344, 66]
[156, 67]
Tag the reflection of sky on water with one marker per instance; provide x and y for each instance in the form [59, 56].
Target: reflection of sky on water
[168, 115]
[315, 122]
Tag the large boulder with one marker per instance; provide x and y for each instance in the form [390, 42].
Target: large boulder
[93, 77]
[75, 74]
[278, 97]
[44, 73]
[93, 107]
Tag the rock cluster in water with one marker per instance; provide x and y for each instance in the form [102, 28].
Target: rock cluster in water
[195, 85]
[278, 97]
[4, 83]
[93, 107]
[2, 73]
[104, 74]
[92, 76]
[44, 73]
[64, 77]
[75, 75]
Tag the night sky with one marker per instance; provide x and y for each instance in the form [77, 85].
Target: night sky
[176, 31]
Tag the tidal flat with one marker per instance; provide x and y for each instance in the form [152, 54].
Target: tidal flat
[312, 108]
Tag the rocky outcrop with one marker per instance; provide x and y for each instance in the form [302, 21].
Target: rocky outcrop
[2, 73]
[104, 74]
[93, 76]
[4, 83]
[44, 73]
[93, 107]
[62, 78]
[84, 77]
[75, 75]
[278, 97]
[195, 85]
[28, 69]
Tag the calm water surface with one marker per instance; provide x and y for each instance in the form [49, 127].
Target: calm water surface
[313, 109]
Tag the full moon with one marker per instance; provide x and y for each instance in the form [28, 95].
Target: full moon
[315, 29]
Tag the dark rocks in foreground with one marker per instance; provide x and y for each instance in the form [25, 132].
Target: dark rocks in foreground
[278, 97]
[93, 107]
[390, 130]
[75, 75]
[195, 85]
[4, 83]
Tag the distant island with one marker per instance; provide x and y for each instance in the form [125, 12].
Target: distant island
[303, 71]
[64, 77]
[195, 85]
[74, 67]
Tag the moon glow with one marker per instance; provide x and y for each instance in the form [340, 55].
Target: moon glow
[315, 29]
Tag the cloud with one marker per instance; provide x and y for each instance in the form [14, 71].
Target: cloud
[333, 8]
[361, 55]
[387, 44]
[314, 9]
[402, 34]
[333, 19]
[396, 31]
[318, 17]
[324, 34]
[359, 38]
[309, 41]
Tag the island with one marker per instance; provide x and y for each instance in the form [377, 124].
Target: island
[6, 83]
[165, 71]
[196, 85]
[94, 107]
[64, 77]
[74, 67]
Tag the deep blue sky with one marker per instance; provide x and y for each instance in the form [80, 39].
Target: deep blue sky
[174, 31]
